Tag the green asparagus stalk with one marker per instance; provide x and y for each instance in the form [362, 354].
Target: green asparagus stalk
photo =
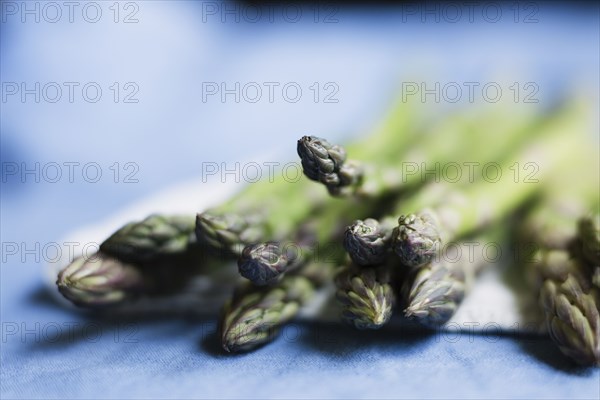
[418, 237]
[366, 295]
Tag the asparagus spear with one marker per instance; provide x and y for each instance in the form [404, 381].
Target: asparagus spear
[100, 281]
[157, 255]
[368, 242]
[325, 163]
[105, 281]
[568, 296]
[570, 303]
[418, 236]
[157, 236]
[255, 313]
[266, 263]
[434, 292]
[366, 295]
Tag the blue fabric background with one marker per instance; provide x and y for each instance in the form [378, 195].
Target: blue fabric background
[51, 352]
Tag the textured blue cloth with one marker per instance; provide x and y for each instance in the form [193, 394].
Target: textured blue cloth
[51, 352]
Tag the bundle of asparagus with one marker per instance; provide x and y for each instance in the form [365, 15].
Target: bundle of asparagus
[293, 240]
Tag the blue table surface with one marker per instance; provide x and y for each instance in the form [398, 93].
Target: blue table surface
[51, 352]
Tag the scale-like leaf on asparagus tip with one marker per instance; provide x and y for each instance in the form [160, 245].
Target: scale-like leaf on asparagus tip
[154, 237]
[367, 242]
[263, 263]
[365, 295]
[99, 281]
[416, 239]
[435, 293]
[255, 313]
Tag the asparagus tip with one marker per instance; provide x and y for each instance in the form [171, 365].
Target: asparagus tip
[262, 263]
[416, 239]
[367, 242]
[98, 281]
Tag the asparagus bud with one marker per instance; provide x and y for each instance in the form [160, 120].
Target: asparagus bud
[154, 237]
[367, 242]
[228, 232]
[416, 239]
[263, 263]
[320, 158]
[99, 281]
[326, 163]
[366, 295]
